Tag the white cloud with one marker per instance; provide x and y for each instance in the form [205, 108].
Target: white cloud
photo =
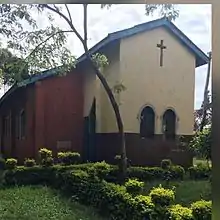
[194, 21]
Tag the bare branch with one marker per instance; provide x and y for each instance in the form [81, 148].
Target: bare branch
[85, 22]
[67, 20]
[57, 9]
[69, 13]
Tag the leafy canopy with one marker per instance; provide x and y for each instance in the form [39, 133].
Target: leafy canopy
[46, 48]
[11, 68]
[201, 144]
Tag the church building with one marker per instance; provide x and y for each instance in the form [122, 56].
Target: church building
[154, 61]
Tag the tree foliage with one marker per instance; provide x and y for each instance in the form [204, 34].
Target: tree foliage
[40, 48]
[12, 68]
[169, 11]
[198, 115]
[201, 144]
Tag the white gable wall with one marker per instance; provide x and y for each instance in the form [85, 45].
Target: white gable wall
[161, 87]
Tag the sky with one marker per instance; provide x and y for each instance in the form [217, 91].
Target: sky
[194, 21]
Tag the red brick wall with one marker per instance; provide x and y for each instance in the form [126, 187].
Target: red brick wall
[12, 146]
[54, 112]
[59, 112]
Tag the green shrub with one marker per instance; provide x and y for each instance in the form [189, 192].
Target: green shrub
[145, 173]
[47, 162]
[177, 172]
[202, 210]
[134, 186]
[29, 162]
[201, 144]
[201, 171]
[166, 164]
[11, 163]
[111, 199]
[144, 207]
[69, 158]
[156, 173]
[161, 196]
[178, 212]
[45, 157]
[100, 169]
[30, 176]
[44, 153]
[2, 163]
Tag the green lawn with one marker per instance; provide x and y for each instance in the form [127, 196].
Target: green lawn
[187, 191]
[41, 203]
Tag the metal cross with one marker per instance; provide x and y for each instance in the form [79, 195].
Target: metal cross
[162, 47]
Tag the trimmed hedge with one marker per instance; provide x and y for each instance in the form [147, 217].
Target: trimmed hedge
[162, 197]
[134, 187]
[11, 163]
[202, 210]
[178, 212]
[156, 173]
[111, 199]
[166, 164]
[29, 162]
[201, 171]
[68, 158]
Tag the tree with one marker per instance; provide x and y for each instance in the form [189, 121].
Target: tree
[201, 144]
[45, 48]
[206, 101]
[10, 66]
[203, 118]
[169, 11]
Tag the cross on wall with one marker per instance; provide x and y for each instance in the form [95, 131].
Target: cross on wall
[162, 47]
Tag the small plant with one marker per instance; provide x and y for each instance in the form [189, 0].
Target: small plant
[11, 163]
[46, 158]
[45, 153]
[178, 212]
[69, 158]
[200, 171]
[144, 206]
[29, 162]
[100, 169]
[177, 172]
[202, 210]
[47, 162]
[117, 158]
[2, 163]
[161, 196]
[166, 164]
[134, 186]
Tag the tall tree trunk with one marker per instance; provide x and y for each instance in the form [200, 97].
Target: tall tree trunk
[111, 97]
[205, 101]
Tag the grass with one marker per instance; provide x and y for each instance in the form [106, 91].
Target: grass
[41, 203]
[187, 191]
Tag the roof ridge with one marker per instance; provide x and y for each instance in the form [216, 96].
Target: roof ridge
[140, 25]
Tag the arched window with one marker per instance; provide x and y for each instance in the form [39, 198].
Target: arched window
[147, 122]
[169, 124]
